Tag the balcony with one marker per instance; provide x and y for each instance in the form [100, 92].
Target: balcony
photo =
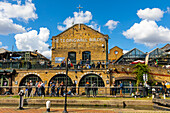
[79, 65]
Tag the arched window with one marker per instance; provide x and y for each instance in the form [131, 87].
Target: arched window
[60, 78]
[27, 79]
[72, 56]
[92, 78]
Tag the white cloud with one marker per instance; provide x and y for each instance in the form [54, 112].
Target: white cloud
[94, 26]
[31, 40]
[25, 12]
[168, 10]
[7, 26]
[111, 24]
[78, 18]
[150, 14]
[125, 51]
[5, 47]
[148, 32]
[9, 11]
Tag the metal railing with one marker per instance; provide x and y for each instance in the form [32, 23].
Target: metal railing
[83, 91]
[92, 64]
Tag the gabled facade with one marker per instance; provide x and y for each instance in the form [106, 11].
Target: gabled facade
[130, 56]
[79, 42]
[115, 53]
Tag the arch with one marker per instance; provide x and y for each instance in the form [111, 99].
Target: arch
[29, 77]
[60, 78]
[91, 78]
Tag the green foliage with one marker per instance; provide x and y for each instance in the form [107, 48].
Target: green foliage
[141, 69]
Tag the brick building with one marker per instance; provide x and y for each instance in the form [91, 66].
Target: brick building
[79, 42]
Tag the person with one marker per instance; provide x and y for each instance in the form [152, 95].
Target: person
[130, 87]
[69, 63]
[63, 64]
[58, 88]
[42, 89]
[163, 89]
[74, 88]
[39, 89]
[121, 88]
[87, 89]
[53, 89]
[156, 87]
[141, 89]
[113, 89]
[146, 88]
[94, 88]
[26, 89]
[87, 64]
[92, 65]
[103, 64]
[36, 88]
[29, 89]
[62, 88]
[98, 65]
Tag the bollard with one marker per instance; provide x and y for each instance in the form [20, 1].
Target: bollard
[164, 96]
[48, 106]
[21, 102]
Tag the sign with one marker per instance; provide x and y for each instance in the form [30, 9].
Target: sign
[59, 59]
[79, 40]
[145, 77]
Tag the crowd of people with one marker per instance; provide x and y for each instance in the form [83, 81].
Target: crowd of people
[57, 89]
[87, 64]
[143, 89]
[39, 89]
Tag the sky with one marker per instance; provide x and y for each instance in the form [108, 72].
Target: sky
[30, 24]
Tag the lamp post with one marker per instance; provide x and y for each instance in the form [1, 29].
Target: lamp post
[65, 104]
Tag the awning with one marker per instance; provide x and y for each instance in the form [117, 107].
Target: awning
[125, 78]
[8, 71]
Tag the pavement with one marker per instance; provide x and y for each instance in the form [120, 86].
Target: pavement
[76, 110]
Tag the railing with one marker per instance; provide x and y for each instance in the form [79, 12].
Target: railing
[92, 64]
[83, 91]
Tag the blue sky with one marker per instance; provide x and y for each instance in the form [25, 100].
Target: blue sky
[130, 27]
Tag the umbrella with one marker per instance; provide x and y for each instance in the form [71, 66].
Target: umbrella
[138, 61]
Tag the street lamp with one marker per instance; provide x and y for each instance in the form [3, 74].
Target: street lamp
[65, 104]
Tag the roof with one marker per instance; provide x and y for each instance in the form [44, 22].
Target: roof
[80, 24]
[2, 51]
[166, 47]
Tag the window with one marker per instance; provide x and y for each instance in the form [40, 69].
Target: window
[92, 78]
[72, 56]
[4, 80]
[86, 55]
[60, 78]
[27, 79]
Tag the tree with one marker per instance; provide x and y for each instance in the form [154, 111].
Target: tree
[141, 69]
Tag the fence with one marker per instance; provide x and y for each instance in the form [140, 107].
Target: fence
[82, 91]
[92, 64]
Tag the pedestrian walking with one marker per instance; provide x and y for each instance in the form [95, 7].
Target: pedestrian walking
[87, 89]
[130, 88]
[62, 88]
[94, 88]
[36, 88]
[121, 88]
